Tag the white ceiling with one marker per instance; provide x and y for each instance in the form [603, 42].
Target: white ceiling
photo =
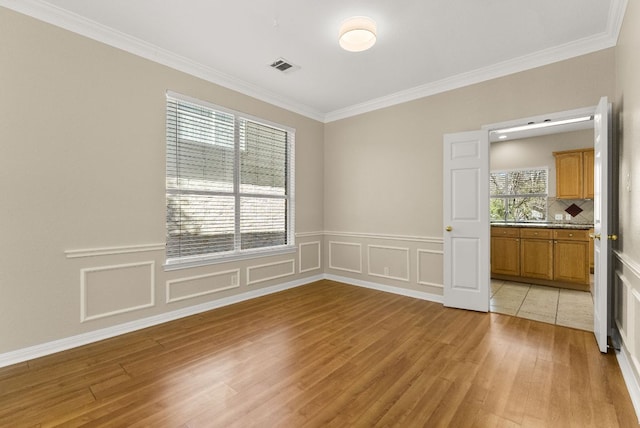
[424, 46]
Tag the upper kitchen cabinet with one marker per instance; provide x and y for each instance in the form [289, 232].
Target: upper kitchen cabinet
[587, 157]
[574, 174]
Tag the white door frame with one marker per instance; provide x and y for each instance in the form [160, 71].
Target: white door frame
[552, 116]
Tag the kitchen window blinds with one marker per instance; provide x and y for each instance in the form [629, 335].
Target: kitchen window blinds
[229, 185]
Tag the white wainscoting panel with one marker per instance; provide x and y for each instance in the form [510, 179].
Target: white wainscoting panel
[621, 294]
[201, 285]
[309, 256]
[346, 256]
[111, 290]
[626, 301]
[430, 268]
[633, 332]
[270, 271]
[388, 262]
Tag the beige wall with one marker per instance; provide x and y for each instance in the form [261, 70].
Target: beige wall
[627, 126]
[82, 166]
[383, 170]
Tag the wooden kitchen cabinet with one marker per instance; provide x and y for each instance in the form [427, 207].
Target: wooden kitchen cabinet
[574, 174]
[536, 253]
[505, 251]
[545, 256]
[571, 256]
[587, 157]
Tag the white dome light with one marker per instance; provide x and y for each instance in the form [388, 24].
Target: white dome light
[357, 34]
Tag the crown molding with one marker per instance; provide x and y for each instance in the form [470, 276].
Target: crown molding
[75, 23]
[46, 12]
[607, 39]
[527, 62]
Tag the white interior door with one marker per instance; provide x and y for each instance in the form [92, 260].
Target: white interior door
[466, 220]
[601, 203]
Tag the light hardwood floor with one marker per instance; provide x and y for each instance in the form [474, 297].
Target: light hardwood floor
[326, 354]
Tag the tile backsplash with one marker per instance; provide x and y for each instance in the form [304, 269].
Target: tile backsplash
[558, 206]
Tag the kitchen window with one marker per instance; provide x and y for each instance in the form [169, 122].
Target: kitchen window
[229, 184]
[519, 195]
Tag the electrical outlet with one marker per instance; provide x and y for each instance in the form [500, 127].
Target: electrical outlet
[558, 216]
[386, 271]
[234, 279]
[567, 216]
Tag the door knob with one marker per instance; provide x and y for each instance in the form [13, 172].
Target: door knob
[613, 237]
[448, 228]
[597, 236]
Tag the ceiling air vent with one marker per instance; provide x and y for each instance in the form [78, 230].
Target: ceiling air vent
[284, 65]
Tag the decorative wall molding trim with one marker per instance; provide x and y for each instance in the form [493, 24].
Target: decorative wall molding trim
[332, 266]
[84, 296]
[628, 262]
[107, 35]
[386, 288]
[318, 265]
[108, 251]
[171, 282]
[250, 281]
[309, 234]
[419, 272]
[63, 344]
[427, 239]
[624, 282]
[537, 59]
[85, 27]
[628, 361]
[630, 379]
[396, 278]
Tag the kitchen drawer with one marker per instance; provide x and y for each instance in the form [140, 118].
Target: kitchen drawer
[536, 233]
[571, 234]
[507, 232]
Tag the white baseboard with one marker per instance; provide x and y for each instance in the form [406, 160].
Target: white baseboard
[630, 378]
[48, 348]
[386, 288]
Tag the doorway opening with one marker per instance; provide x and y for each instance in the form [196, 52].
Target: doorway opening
[523, 197]
[467, 227]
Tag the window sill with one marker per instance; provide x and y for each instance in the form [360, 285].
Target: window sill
[213, 260]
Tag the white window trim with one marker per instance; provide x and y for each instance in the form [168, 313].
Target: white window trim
[216, 258]
[529, 195]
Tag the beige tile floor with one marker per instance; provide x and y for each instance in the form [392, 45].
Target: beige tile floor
[559, 306]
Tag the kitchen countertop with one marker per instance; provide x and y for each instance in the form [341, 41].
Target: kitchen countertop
[544, 225]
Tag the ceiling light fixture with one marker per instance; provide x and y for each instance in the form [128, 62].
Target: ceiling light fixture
[357, 34]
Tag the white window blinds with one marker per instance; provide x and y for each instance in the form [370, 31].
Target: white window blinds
[228, 182]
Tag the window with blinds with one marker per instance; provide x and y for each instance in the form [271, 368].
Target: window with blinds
[519, 195]
[228, 182]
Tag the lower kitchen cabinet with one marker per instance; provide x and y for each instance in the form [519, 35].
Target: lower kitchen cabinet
[505, 250]
[571, 260]
[559, 257]
[536, 253]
